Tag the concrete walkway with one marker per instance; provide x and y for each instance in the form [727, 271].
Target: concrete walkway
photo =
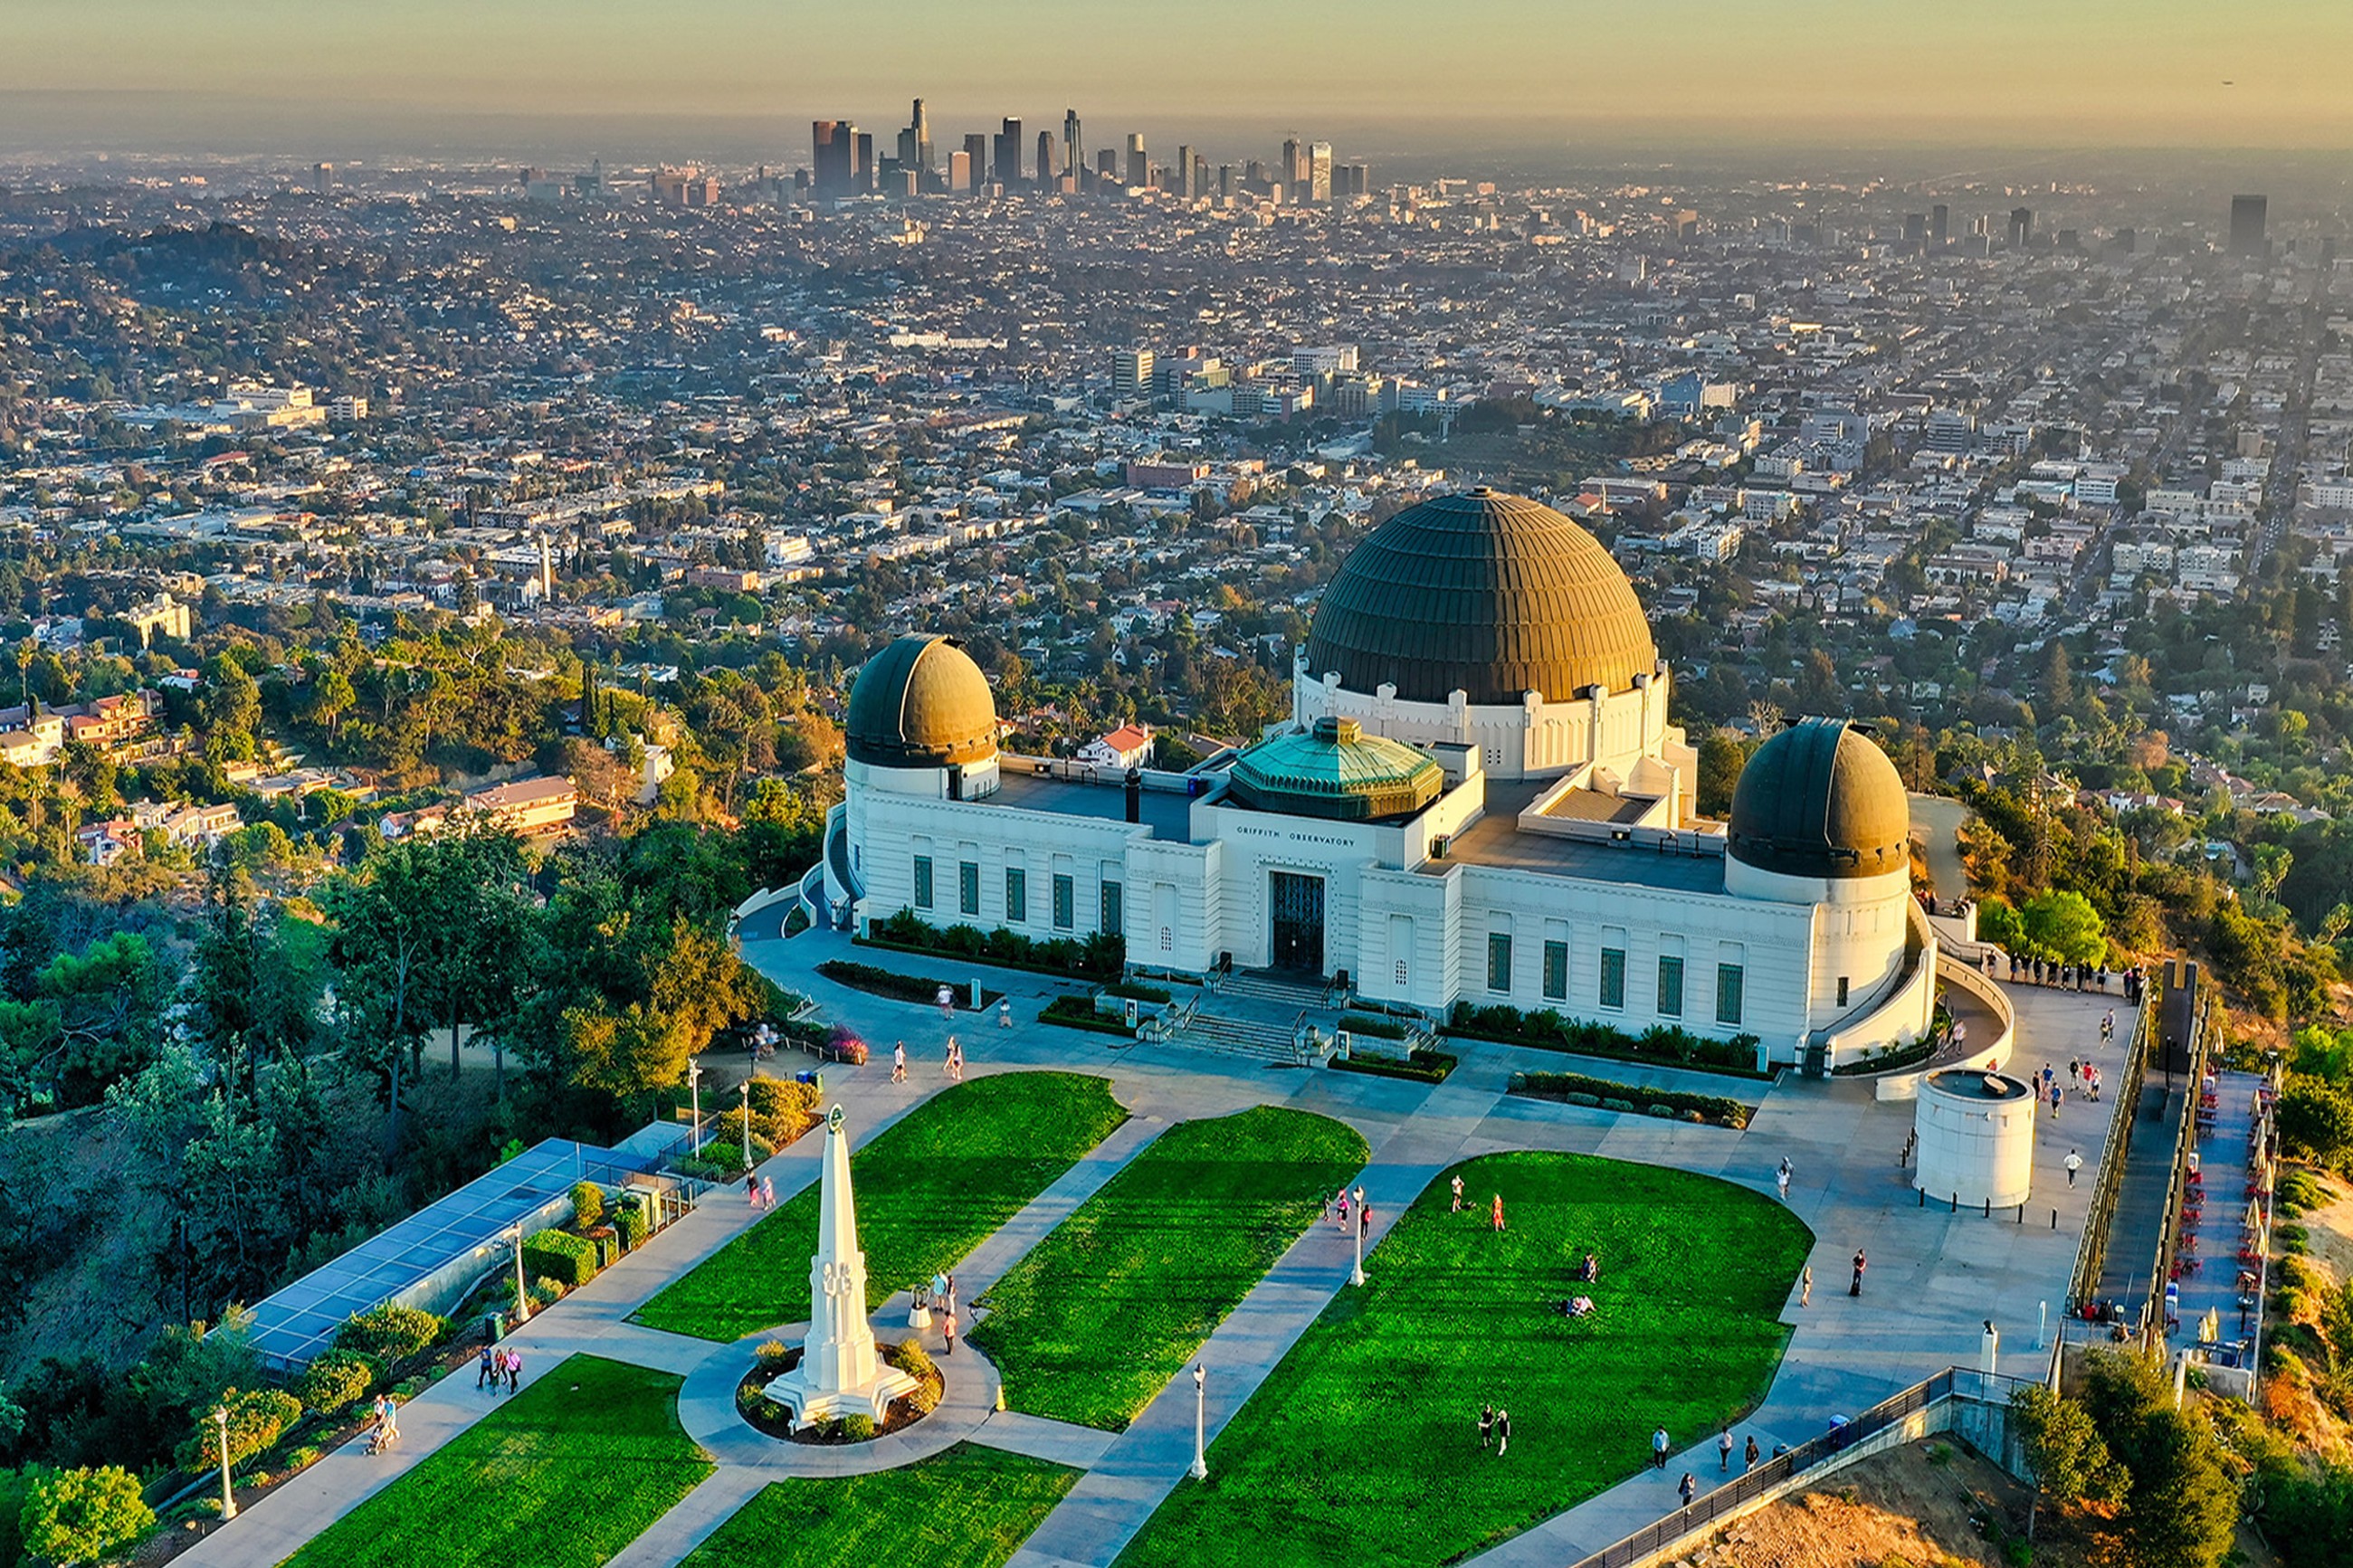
[1934, 1275]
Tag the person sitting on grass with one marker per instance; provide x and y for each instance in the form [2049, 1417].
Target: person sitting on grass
[1591, 1271]
[1580, 1307]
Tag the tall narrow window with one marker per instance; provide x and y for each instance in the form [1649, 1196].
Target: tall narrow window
[1730, 978]
[1613, 977]
[1843, 979]
[922, 881]
[1670, 987]
[1114, 921]
[1556, 971]
[1066, 914]
[1499, 960]
[1017, 895]
[969, 888]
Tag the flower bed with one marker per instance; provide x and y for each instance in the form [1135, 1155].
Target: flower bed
[1422, 1067]
[903, 987]
[1664, 1045]
[1079, 1013]
[1576, 1088]
[766, 1416]
[1096, 957]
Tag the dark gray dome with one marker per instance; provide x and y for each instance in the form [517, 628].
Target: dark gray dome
[1821, 799]
[921, 703]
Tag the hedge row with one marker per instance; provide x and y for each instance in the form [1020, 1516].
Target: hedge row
[890, 982]
[569, 1260]
[1127, 990]
[1547, 1030]
[1101, 956]
[1079, 1013]
[1422, 1067]
[1576, 1088]
[1373, 1024]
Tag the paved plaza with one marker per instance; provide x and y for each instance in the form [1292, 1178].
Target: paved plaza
[1934, 1275]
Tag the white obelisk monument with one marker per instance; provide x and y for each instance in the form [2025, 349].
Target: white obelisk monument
[839, 1374]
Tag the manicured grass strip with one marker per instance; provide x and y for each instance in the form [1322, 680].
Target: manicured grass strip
[930, 1188]
[1362, 1446]
[562, 1475]
[970, 1506]
[1106, 1311]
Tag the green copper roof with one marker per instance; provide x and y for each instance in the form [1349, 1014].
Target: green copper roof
[1336, 772]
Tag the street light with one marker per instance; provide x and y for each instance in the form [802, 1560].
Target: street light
[228, 1493]
[1356, 1271]
[1200, 1470]
[694, 1093]
[747, 1123]
[513, 1233]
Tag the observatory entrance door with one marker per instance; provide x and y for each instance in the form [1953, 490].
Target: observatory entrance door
[1298, 903]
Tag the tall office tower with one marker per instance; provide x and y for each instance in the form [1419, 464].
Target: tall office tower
[861, 158]
[1048, 165]
[1319, 172]
[322, 178]
[960, 170]
[831, 156]
[1008, 168]
[1940, 224]
[1916, 229]
[908, 147]
[921, 127]
[1200, 186]
[2248, 217]
[1226, 182]
[2021, 226]
[1131, 372]
[1107, 167]
[976, 161]
[1139, 166]
[1295, 161]
[1074, 144]
[1182, 174]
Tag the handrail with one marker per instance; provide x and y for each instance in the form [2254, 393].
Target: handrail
[2092, 1251]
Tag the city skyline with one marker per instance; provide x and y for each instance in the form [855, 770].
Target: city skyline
[2172, 75]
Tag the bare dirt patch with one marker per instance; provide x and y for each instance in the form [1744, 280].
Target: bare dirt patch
[2328, 1229]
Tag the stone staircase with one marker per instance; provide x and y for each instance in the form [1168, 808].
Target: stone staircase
[1257, 1015]
[1257, 1039]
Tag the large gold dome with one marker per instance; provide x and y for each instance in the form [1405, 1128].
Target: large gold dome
[1490, 594]
[921, 703]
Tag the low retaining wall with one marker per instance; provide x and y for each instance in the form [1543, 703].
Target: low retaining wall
[1961, 975]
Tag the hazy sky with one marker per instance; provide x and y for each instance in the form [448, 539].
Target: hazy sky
[2132, 72]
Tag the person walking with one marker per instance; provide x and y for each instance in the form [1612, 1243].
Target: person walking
[1486, 1425]
[1364, 1221]
[1688, 1486]
[514, 1370]
[1005, 1011]
[899, 1062]
[1806, 1286]
[1344, 1210]
[1496, 1213]
[947, 1063]
[956, 1060]
[1748, 1455]
[1659, 1449]
[752, 1188]
[1502, 1432]
[1723, 1449]
[1458, 1192]
[947, 999]
[1855, 1288]
[2109, 1028]
[1781, 1179]
[767, 1192]
[948, 1331]
[2074, 1163]
[2056, 1092]
[483, 1371]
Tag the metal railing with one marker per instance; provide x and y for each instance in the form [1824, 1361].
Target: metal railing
[2185, 1140]
[2092, 1252]
[1740, 1494]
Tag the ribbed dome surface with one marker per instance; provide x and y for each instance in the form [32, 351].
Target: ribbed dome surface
[1336, 772]
[1486, 593]
[921, 703]
[1821, 799]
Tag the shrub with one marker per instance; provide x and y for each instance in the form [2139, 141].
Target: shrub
[587, 1205]
[857, 1428]
[567, 1259]
[1577, 1097]
[1135, 993]
[256, 1419]
[1079, 1013]
[1547, 1029]
[1623, 1106]
[910, 1357]
[1576, 1088]
[545, 1292]
[1372, 1024]
[2297, 1193]
[1096, 957]
[334, 1380]
[629, 1218]
[301, 1458]
[1422, 1067]
[1663, 1113]
[80, 1516]
[772, 1353]
[390, 1332]
[2293, 1239]
[782, 1110]
[725, 1142]
[889, 983]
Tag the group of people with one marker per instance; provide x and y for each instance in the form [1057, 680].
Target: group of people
[1340, 1201]
[1495, 1427]
[383, 1423]
[2066, 976]
[940, 1296]
[759, 1191]
[499, 1364]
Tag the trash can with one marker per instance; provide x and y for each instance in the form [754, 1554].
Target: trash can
[494, 1327]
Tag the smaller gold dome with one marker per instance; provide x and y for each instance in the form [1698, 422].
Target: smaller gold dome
[922, 702]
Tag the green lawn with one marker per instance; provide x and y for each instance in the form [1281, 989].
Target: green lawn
[1109, 1307]
[930, 1188]
[562, 1475]
[967, 1507]
[1362, 1446]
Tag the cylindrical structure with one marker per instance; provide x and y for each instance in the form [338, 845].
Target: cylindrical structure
[1977, 1138]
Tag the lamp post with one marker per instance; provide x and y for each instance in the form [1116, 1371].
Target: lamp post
[228, 1493]
[1356, 1271]
[1200, 1470]
[694, 1110]
[522, 1298]
[747, 1124]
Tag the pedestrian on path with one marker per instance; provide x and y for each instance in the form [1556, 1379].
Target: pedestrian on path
[1458, 1192]
[1806, 1287]
[1495, 1213]
[1748, 1455]
[2056, 1092]
[1723, 1449]
[1364, 1221]
[767, 1192]
[1659, 1449]
[956, 1060]
[1344, 1210]
[752, 1188]
[2074, 1163]
[1005, 1011]
[1688, 1486]
[2109, 1028]
[1486, 1425]
[947, 999]
[482, 1372]
[1502, 1432]
[948, 1331]
[899, 1062]
[1856, 1288]
[514, 1370]
[1781, 1178]
[948, 1063]
[952, 1293]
